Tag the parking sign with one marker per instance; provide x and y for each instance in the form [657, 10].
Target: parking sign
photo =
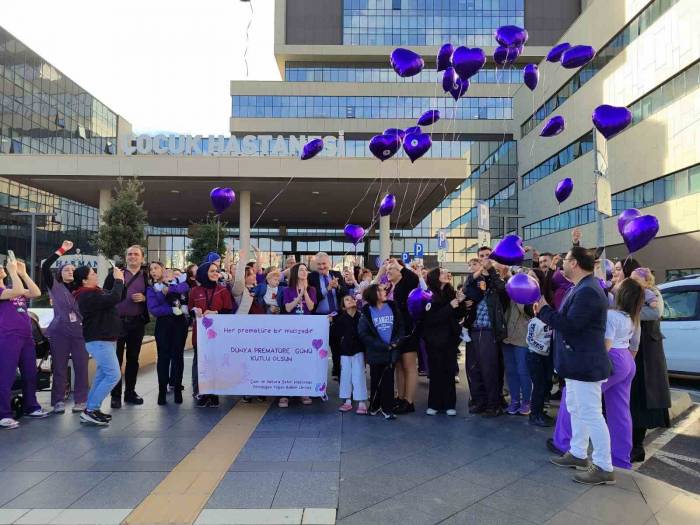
[418, 250]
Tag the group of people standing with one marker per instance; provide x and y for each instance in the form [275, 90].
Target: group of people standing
[601, 338]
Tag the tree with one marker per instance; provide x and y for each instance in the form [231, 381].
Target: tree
[207, 236]
[124, 223]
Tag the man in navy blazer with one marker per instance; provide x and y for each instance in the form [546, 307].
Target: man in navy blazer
[581, 358]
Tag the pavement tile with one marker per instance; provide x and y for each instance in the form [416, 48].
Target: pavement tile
[358, 492]
[318, 517]
[612, 505]
[388, 512]
[307, 489]
[530, 500]
[245, 490]
[116, 448]
[58, 491]
[497, 469]
[250, 517]
[326, 466]
[267, 449]
[315, 449]
[479, 514]
[684, 509]
[12, 484]
[656, 493]
[121, 490]
[91, 517]
[271, 466]
[569, 518]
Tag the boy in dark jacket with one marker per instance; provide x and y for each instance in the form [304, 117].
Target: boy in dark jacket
[101, 328]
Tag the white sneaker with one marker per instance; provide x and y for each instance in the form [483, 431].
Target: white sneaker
[431, 411]
[451, 412]
[38, 413]
[8, 423]
[79, 407]
[59, 408]
[456, 379]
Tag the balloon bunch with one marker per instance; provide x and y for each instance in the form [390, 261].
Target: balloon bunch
[570, 56]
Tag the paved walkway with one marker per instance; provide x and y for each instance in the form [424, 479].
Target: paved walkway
[312, 465]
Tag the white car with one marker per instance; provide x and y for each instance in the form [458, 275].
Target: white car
[680, 325]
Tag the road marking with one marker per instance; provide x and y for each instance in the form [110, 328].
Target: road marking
[655, 446]
[666, 458]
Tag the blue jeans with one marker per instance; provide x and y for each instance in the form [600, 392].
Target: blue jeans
[107, 374]
[517, 373]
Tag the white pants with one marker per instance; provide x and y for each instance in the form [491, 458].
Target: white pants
[353, 384]
[583, 399]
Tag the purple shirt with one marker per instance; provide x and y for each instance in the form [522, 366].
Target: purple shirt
[289, 295]
[14, 316]
[128, 308]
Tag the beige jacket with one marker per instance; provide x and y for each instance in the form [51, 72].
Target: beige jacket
[516, 325]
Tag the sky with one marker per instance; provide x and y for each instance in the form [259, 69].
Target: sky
[165, 66]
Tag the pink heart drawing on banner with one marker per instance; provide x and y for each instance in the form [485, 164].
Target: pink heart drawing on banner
[323, 353]
[211, 334]
[317, 343]
[207, 322]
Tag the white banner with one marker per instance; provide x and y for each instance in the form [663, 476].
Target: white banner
[263, 355]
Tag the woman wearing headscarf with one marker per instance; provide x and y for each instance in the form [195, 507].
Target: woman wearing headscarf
[209, 298]
[65, 334]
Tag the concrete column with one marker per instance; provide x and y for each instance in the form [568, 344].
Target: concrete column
[244, 224]
[105, 205]
[384, 237]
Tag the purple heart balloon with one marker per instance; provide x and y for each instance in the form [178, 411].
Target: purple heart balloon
[610, 120]
[405, 62]
[564, 189]
[625, 217]
[467, 62]
[554, 126]
[207, 322]
[506, 55]
[523, 289]
[412, 129]
[577, 56]
[429, 117]
[384, 146]
[639, 231]
[354, 233]
[509, 251]
[531, 76]
[387, 204]
[417, 301]
[557, 51]
[449, 79]
[444, 57]
[395, 131]
[609, 267]
[511, 36]
[459, 89]
[221, 198]
[416, 145]
[311, 149]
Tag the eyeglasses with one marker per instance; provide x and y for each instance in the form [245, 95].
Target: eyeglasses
[568, 259]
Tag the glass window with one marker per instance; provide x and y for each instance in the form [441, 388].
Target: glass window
[694, 179]
[680, 305]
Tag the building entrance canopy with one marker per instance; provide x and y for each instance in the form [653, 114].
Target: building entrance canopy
[321, 192]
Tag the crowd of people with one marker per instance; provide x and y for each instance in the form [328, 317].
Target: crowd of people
[595, 337]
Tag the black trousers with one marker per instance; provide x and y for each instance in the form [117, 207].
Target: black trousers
[335, 342]
[131, 342]
[170, 345]
[485, 377]
[381, 387]
[442, 394]
[540, 367]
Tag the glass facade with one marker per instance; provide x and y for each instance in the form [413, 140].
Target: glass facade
[427, 22]
[605, 54]
[72, 220]
[666, 188]
[563, 157]
[315, 72]
[43, 111]
[277, 106]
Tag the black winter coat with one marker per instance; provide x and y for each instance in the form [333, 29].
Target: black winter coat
[440, 325]
[101, 322]
[378, 352]
[346, 328]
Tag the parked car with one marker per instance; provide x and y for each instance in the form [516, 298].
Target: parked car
[680, 324]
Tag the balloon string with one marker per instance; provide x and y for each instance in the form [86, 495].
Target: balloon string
[247, 39]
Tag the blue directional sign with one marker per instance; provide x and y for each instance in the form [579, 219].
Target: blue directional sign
[442, 240]
[405, 257]
[418, 250]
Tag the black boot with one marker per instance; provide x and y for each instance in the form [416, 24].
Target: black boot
[162, 391]
[178, 395]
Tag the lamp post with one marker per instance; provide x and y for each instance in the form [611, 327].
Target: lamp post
[32, 251]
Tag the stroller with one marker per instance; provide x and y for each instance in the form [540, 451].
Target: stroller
[42, 349]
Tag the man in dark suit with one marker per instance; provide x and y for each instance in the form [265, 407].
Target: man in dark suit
[581, 358]
[330, 290]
